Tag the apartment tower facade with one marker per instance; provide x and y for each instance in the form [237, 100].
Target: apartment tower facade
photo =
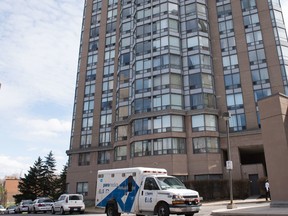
[155, 78]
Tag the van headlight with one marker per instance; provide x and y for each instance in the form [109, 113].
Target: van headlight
[178, 199]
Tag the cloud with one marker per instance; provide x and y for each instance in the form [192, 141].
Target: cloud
[13, 166]
[38, 63]
[44, 128]
[38, 50]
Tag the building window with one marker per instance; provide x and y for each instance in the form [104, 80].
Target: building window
[261, 93]
[86, 141]
[254, 38]
[164, 81]
[224, 10]
[87, 123]
[251, 20]
[110, 27]
[200, 80]
[106, 120]
[230, 62]
[120, 153]
[199, 61]
[110, 41]
[206, 145]
[204, 123]
[122, 113]
[257, 57]
[237, 122]
[169, 146]
[194, 9]
[105, 139]
[141, 126]
[198, 43]
[97, 6]
[260, 76]
[90, 75]
[202, 100]
[209, 177]
[143, 85]
[167, 123]
[167, 101]
[121, 133]
[82, 188]
[94, 32]
[106, 103]
[93, 46]
[84, 159]
[123, 95]
[141, 148]
[247, 5]
[196, 25]
[158, 147]
[228, 44]
[92, 60]
[232, 81]
[234, 101]
[142, 105]
[107, 86]
[103, 157]
[226, 27]
[124, 76]
[88, 107]
[89, 90]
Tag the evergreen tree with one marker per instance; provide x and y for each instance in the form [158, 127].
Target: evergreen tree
[61, 183]
[49, 175]
[41, 180]
[30, 185]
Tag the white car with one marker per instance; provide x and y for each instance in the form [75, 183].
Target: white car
[69, 203]
[2, 210]
[10, 210]
[23, 206]
[43, 204]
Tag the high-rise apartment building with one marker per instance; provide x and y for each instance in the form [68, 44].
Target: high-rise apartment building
[156, 76]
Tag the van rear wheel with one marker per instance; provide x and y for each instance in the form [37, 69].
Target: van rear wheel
[163, 209]
[112, 210]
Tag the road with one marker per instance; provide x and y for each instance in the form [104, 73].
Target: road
[206, 210]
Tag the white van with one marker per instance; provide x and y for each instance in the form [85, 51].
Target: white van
[144, 191]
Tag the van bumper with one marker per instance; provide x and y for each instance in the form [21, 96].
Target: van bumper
[184, 209]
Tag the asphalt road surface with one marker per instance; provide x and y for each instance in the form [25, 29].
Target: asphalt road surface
[206, 210]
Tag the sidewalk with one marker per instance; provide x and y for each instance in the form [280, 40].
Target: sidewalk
[258, 207]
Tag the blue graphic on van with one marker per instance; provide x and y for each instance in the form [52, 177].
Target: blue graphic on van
[118, 193]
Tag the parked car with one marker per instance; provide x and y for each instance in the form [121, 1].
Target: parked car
[69, 203]
[2, 210]
[23, 206]
[43, 204]
[11, 210]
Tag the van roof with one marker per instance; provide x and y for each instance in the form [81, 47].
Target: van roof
[144, 170]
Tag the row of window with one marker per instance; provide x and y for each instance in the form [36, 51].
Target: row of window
[162, 146]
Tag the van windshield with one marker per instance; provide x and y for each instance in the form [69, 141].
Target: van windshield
[170, 182]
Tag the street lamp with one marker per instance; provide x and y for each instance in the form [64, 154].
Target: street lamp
[229, 165]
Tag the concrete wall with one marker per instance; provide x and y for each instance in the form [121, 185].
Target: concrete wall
[273, 112]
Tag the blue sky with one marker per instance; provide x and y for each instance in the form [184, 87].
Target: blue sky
[39, 41]
[38, 64]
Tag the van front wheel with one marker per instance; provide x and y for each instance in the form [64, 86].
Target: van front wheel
[163, 209]
[112, 210]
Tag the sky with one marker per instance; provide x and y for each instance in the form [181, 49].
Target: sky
[39, 44]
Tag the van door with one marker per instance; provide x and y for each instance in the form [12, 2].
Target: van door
[130, 194]
[148, 196]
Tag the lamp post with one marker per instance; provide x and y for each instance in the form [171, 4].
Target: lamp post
[229, 165]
